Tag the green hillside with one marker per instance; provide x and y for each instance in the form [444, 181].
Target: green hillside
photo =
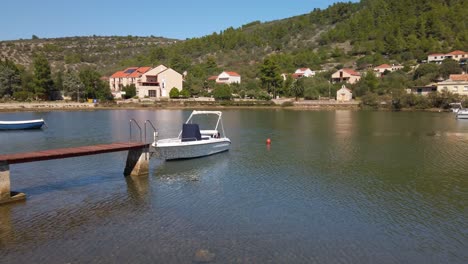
[103, 53]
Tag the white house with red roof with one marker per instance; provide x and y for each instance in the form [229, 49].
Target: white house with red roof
[346, 75]
[299, 73]
[379, 70]
[149, 82]
[226, 77]
[454, 55]
[303, 72]
[158, 82]
[129, 76]
[457, 84]
[344, 94]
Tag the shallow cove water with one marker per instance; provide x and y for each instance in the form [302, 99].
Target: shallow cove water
[333, 187]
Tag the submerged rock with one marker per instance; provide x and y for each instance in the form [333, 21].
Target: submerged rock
[203, 256]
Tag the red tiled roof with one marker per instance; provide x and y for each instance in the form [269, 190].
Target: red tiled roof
[459, 77]
[383, 66]
[303, 69]
[232, 73]
[352, 72]
[214, 77]
[137, 72]
[457, 52]
[119, 74]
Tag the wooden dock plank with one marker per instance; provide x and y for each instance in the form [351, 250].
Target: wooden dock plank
[70, 152]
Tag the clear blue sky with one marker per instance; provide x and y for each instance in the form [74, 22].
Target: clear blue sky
[168, 18]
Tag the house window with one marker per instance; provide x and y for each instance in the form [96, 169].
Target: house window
[455, 89]
[465, 89]
[152, 93]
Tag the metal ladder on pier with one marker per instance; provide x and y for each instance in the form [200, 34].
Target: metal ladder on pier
[144, 139]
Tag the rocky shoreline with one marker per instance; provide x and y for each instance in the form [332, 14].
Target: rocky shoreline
[43, 106]
[73, 106]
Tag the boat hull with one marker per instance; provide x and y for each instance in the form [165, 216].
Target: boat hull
[191, 149]
[462, 115]
[20, 125]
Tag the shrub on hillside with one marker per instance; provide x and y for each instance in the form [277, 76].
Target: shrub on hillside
[23, 96]
[184, 93]
[370, 99]
[130, 91]
[222, 92]
[263, 95]
[174, 93]
[443, 100]
[311, 93]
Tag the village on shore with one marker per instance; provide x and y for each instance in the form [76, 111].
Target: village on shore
[162, 87]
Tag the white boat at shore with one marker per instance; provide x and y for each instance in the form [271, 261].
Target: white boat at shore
[193, 142]
[460, 112]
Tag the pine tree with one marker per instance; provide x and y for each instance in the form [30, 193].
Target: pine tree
[43, 83]
[270, 75]
[10, 78]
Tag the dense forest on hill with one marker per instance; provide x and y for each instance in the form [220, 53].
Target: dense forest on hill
[404, 29]
[356, 35]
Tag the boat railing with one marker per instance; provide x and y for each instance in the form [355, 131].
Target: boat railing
[155, 132]
[139, 128]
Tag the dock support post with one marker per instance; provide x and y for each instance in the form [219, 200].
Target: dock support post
[137, 162]
[6, 195]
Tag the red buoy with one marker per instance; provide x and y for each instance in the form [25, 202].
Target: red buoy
[268, 141]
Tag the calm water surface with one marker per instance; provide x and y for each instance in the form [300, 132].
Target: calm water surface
[334, 187]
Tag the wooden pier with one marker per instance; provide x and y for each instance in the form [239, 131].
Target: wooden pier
[137, 161]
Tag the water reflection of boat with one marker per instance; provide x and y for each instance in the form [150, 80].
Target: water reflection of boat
[188, 170]
[193, 142]
[23, 124]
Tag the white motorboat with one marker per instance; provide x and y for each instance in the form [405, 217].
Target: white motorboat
[460, 112]
[192, 141]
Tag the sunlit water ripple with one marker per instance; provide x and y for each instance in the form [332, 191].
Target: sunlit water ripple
[333, 187]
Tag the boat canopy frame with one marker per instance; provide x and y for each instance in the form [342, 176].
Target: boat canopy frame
[218, 113]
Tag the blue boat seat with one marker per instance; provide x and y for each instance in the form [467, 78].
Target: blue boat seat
[190, 132]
